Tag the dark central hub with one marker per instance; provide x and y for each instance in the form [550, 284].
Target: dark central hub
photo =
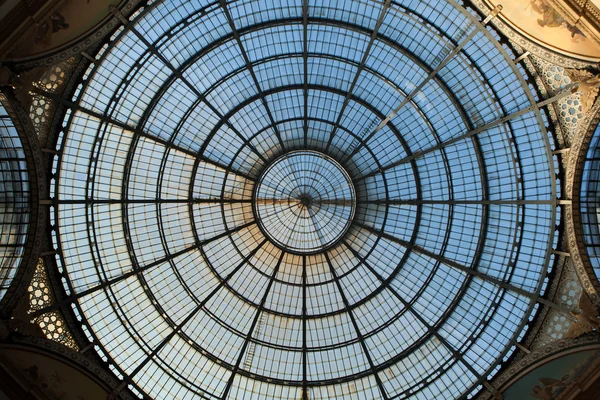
[305, 200]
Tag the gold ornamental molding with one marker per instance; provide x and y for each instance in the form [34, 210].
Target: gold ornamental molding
[572, 216]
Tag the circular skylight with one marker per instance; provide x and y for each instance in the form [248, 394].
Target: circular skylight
[314, 200]
[304, 202]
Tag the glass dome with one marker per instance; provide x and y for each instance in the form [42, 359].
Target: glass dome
[14, 201]
[306, 200]
[590, 202]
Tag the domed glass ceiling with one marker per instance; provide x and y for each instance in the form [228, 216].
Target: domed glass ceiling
[304, 202]
[590, 202]
[14, 201]
[290, 200]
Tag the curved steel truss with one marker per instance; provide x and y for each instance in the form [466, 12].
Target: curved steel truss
[14, 201]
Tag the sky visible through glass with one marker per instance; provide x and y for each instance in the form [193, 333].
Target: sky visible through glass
[453, 223]
[304, 202]
[589, 202]
[14, 201]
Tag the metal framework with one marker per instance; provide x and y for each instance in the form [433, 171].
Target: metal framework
[589, 202]
[304, 202]
[14, 201]
[157, 208]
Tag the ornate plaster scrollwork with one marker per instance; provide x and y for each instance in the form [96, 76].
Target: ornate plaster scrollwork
[587, 318]
[589, 84]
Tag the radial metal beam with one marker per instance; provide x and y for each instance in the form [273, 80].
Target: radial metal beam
[432, 331]
[304, 332]
[467, 270]
[361, 338]
[429, 77]
[517, 202]
[250, 68]
[305, 72]
[103, 285]
[359, 69]
[471, 133]
[146, 201]
[9, 159]
[199, 157]
[177, 73]
[418, 88]
[191, 315]
[109, 120]
[311, 214]
[248, 337]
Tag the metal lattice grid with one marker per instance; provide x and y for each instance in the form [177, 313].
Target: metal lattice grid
[14, 201]
[304, 202]
[590, 202]
[425, 291]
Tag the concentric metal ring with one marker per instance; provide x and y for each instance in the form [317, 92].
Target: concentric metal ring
[304, 201]
[159, 193]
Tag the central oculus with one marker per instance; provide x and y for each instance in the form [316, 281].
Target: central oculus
[304, 201]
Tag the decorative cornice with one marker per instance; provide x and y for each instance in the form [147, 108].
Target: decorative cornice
[543, 354]
[21, 17]
[573, 177]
